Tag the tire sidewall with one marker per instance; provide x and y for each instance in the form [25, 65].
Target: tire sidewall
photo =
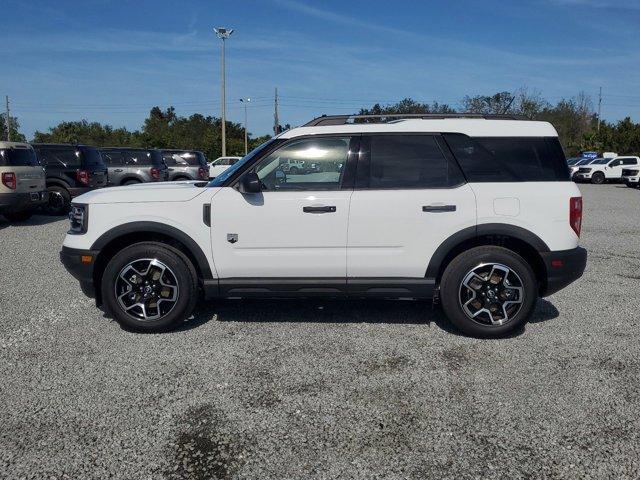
[598, 178]
[66, 197]
[184, 276]
[461, 265]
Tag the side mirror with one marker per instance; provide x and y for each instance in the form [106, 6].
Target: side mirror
[250, 183]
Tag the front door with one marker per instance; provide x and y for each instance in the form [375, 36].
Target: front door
[296, 228]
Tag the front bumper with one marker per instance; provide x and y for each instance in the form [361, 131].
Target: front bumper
[18, 202]
[582, 176]
[563, 267]
[77, 264]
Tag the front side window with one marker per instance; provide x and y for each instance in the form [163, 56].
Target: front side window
[409, 162]
[306, 164]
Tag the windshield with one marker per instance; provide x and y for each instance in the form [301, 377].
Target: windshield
[586, 161]
[224, 176]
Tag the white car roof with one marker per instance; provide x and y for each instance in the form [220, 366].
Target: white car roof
[14, 145]
[473, 127]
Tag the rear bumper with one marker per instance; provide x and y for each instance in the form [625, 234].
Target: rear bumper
[563, 267]
[631, 180]
[18, 202]
[72, 259]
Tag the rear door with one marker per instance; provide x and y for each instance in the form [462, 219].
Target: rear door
[410, 197]
[296, 228]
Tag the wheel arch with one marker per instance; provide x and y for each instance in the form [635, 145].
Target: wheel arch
[131, 177]
[126, 234]
[57, 182]
[522, 241]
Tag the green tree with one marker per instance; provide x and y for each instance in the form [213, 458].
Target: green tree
[16, 136]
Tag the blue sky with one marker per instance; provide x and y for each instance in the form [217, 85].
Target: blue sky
[111, 61]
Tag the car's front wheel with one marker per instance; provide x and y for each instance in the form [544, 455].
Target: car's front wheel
[149, 287]
[488, 291]
[597, 178]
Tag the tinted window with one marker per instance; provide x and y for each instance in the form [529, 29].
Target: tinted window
[59, 156]
[307, 164]
[18, 157]
[410, 161]
[629, 161]
[91, 156]
[112, 157]
[509, 159]
[137, 157]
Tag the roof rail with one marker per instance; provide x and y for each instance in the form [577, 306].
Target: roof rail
[346, 119]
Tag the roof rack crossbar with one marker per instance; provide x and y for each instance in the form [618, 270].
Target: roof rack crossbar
[325, 120]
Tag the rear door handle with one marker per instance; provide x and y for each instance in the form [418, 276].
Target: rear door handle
[118, 170]
[439, 208]
[325, 209]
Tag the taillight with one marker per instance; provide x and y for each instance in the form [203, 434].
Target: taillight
[155, 173]
[9, 180]
[83, 176]
[203, 173]
[575, 214]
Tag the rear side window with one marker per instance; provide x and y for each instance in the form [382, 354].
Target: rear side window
[509, 159]
[18, 157]
[408, 162]
[112, 157]
[59, 157]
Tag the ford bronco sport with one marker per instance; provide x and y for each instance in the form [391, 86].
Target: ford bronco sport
[128, 166]
[71, 170]
[477, 213]
[22, 185]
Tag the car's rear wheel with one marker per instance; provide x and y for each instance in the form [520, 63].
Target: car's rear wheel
[294, 170]
[149, 287]
[597, 178]
[19, 216]
[488, 291]
[59, 200]
[132, 182]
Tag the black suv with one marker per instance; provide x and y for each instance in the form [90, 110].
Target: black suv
[134, 165]
[186, 164]
[71, 170]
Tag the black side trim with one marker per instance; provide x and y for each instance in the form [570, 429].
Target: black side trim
[70, 258]
[482, 230]
[154, 227]
[323, 287]
[570, 266]
[206, 214]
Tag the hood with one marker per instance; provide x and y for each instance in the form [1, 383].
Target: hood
[144, 192]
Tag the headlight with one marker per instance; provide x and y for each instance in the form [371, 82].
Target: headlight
[79, 218]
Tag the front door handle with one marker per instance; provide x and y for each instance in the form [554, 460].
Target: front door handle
[439, 208]
[324, 209]
[118, 170]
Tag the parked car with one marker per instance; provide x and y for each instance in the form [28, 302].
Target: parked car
[605, 169]
[574, 160]
[220, 164]
[71, 170]
[631, 177]
[128, 166]
[22, 188]
[186, 164]
[478, 214]
[574, 168]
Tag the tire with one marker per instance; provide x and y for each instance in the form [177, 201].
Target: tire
[131, 182]
[19, 216]
[456, 291]
[59, 200]
[178, 281]
[293, 170]
[597, 178]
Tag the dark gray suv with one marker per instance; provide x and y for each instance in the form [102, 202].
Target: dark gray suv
[134, 165]
[186, 164]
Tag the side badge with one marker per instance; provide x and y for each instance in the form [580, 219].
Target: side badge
[232, 237]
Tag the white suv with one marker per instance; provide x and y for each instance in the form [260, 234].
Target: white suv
[603, 169]
[478, 214]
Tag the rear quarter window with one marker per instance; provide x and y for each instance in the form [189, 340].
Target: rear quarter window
[509, 159]
[91, 157]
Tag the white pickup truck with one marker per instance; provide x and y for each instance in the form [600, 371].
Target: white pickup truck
[605, 169]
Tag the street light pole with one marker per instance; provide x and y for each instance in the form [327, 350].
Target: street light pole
[223, 33]
[245, 101]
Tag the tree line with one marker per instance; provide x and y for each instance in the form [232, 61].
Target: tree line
[574, 119]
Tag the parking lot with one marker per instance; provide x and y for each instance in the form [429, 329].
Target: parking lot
[333, 389]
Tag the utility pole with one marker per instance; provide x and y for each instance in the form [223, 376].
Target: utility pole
[599, 108]
[245, 101]
[8, 122]
[276, 121]
[223, 34]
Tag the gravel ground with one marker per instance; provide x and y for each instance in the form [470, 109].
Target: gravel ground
[327, 389]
